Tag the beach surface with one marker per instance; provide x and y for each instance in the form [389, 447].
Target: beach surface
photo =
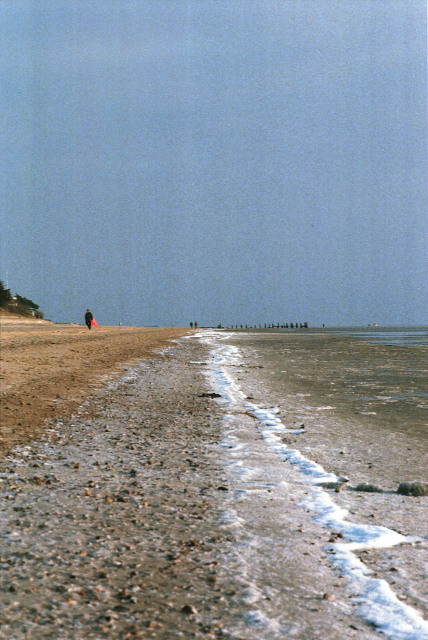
[140, 498]
[47, 369]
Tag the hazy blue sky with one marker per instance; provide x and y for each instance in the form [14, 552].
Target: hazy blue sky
[221, 160]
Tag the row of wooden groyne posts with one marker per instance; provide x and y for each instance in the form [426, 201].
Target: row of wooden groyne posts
[278, 325]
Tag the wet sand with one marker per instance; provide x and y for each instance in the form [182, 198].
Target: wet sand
[364, 405]
[358, 423]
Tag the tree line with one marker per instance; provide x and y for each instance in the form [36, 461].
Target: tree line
[17, 303]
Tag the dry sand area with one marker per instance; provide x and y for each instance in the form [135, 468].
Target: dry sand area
[48, 369]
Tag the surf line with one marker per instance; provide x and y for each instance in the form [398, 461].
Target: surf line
[377, 602]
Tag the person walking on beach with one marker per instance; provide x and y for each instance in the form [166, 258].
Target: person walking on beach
[88, 318]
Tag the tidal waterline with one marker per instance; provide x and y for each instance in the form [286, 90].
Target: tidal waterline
[349, 384]
[304, 392]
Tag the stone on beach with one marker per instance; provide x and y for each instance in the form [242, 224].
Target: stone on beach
[413, 488]
[368, 488]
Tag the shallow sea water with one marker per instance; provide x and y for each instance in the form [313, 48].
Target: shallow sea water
[375, 381]
[307, 414]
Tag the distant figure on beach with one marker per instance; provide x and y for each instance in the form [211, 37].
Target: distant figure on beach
[196, 325]
[191, 325]
[88, 318]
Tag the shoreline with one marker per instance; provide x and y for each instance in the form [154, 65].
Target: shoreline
[319, 447]
[119, 522]
[156, 510]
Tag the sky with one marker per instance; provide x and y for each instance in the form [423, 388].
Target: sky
[224, 161]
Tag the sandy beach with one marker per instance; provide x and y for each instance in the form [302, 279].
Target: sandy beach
[47, 369]
[132, 508]
[105, 528]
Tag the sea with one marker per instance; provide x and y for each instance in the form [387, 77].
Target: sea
[324, 433]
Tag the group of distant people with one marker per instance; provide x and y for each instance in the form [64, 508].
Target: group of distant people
[193, 324]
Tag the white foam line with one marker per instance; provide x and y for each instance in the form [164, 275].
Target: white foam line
[272, 426]
[378, 603]
[314, 472]
[361, 536]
